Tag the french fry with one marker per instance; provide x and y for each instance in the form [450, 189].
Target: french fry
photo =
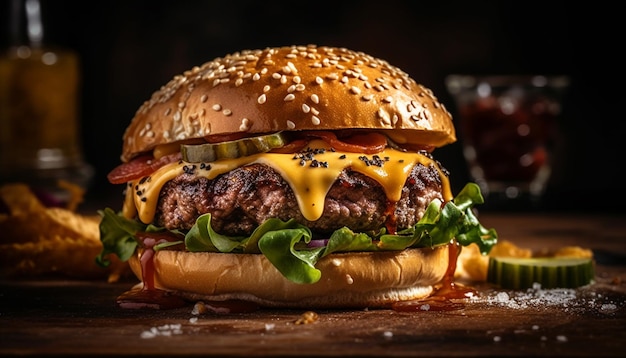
[38, 241]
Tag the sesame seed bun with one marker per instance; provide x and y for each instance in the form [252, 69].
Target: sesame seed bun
[289, 88]
[349, 280]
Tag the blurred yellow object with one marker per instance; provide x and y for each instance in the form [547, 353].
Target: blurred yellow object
[38, 241]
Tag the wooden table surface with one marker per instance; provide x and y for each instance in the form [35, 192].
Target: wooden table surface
[68, 317]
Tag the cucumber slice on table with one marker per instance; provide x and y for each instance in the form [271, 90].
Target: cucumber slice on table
[210, 152]
[550, 272]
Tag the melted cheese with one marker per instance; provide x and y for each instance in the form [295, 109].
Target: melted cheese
[309, 183]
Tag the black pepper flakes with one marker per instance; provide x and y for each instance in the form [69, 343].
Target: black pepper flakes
[375, 160]
[189, 169]
[308, 155]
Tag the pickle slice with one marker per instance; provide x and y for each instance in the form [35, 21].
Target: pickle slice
[210, 152]
[550, 272]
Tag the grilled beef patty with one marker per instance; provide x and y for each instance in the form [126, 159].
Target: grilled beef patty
[242, 199]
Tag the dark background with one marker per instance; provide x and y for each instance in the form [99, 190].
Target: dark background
[129, 49]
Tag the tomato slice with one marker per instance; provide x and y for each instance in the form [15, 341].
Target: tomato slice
[367, 143]
[140, 167]
[354, 142]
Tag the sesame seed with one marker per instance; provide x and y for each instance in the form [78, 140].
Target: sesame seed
[297, 79]
[388, 99]
[245, 124]
[216, 107]
[290, 97]
[266, 88]
[238, 82]
[262, 98]
[384, 116]
[276, 75]
[319, 80]
[315, 98]
[367, 97]
[291, 125]
[256, 77]
[204, 98]
[300, 87]
[355, 90]
[305, 108]
[227, 112]
[168, 111]
[315, 120]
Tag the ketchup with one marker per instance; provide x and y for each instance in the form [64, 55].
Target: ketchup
[441, 300]
[149, 296]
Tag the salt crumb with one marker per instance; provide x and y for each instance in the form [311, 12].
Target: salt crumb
[497, 338]
[608, 308]
[566, 298]
[561, 338]
[535, 327]
[388, 334]
[164, 330]
[269, 326]
[425, 307]
[193, 320]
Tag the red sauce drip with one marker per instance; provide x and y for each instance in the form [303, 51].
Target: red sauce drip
[149, 296]
[154, 298]
[441, 300]
[390, 212]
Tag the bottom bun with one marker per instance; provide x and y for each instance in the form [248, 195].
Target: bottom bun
[349, 280]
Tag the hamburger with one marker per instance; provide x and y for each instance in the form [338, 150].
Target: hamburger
[296, 176]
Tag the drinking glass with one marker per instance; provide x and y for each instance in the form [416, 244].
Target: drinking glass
[509, 130]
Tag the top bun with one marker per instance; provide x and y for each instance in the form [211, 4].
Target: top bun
[289, 88]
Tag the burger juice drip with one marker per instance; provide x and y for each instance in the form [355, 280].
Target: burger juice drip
[149, 296]
[441, 300]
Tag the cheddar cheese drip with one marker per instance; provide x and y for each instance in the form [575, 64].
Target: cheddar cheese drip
[309, 181]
